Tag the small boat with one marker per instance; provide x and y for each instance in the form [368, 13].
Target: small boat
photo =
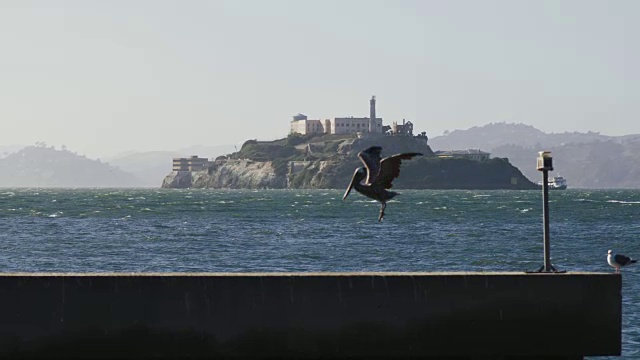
[556, 183]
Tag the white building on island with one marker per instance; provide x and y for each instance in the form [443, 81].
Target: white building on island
[193, 163]
[340, 125]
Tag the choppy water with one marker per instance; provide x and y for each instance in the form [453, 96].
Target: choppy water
[144, 230]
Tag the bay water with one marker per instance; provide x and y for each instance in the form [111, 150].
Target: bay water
[207, 230]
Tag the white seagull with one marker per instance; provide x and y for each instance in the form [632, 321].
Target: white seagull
[618, 260]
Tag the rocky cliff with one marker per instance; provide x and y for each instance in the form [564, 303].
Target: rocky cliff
[232, 174]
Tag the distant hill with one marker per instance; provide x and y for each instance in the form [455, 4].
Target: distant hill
[587, 160]
[6, 150]
[147, 166]
[151, 166]
[41, 166]
[490, 136]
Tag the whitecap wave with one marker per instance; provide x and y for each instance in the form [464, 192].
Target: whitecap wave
[623, 202]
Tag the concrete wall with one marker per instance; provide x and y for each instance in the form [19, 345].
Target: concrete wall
[305, 127]
[357, 315]
[299, 126]
[350, 125]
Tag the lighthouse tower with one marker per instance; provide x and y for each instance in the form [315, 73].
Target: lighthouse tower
[372, 114]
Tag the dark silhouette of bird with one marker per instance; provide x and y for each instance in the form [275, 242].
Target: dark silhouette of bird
[618, 260]
[378, 175]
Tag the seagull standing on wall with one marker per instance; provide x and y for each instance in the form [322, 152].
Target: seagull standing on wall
[378, 175]
[618, 260]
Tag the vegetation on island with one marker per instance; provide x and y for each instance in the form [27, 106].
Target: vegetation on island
[292, 148]
[459, 173]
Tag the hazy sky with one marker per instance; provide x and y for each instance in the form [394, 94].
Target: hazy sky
[104, 77]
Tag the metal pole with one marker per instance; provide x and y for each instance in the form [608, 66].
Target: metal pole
[545, 218]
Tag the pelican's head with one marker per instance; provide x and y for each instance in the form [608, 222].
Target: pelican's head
[358, 176]
[609, 252]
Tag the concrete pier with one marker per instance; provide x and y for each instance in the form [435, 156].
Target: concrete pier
[310, 315]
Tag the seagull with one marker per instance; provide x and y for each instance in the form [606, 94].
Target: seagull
[618, 260]
[378, 175]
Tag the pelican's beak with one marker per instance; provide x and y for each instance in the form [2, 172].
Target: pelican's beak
[353, 182]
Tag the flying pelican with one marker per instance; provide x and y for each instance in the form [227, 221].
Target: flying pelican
[378, 175]
[618, 260]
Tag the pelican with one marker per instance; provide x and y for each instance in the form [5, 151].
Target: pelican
[618, 260]
[378, 176]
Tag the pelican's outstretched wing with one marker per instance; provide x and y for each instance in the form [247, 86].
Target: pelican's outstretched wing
[371, 160]
[390, 169]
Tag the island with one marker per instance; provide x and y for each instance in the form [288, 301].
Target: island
[328, 162]
[322, 154]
